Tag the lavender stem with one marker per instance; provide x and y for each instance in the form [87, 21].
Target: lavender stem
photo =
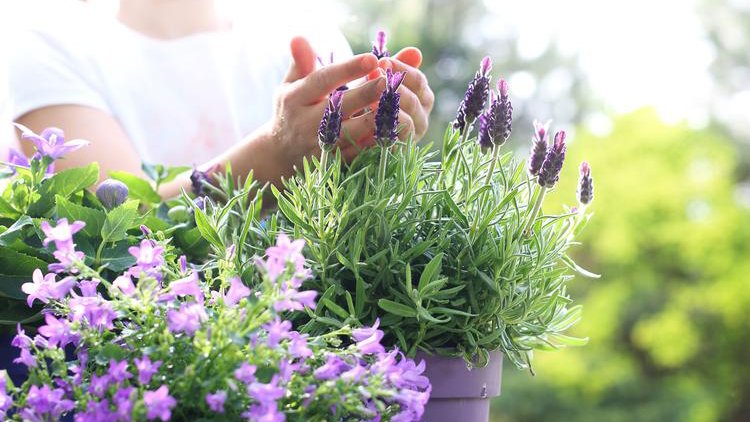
[535, 211]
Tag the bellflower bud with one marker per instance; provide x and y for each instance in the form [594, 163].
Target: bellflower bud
[112, 193]
[386, 118]
[330, 125]
[378, 48]
[585, 185]
[553, 162]
[495, 123]
[539, 147]
[475, 98]
[198, 179]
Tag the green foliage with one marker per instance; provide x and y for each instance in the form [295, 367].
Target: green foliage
[434, 250]
[668, 321]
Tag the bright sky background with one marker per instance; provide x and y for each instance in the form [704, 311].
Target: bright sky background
[635, 52]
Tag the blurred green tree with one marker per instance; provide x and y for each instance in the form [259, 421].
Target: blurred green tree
[668, 321]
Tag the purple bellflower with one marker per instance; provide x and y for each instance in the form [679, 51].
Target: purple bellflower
[51, 142]
[539, 147]
[475, 98]
[378, 47]
[495, 123]
[553, 162]
[585, 185]
[368, 338]
[330, 125]
[18, 159]
[386, 118]
[44, 287]
[112, 193]
[159, 403]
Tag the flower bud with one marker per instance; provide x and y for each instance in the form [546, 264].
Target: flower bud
[585, 184]
[475, 98]
[112, 193]
[553, 162]
[330, 125]
[200, 203]
[386, 118]
[179, 213]
[495, 123]
[539, 147]
[198, 179]
[378, 48]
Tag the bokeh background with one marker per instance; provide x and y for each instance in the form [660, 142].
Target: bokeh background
[657, 95]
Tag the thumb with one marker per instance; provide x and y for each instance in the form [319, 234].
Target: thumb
[411, 56]
[303, 59]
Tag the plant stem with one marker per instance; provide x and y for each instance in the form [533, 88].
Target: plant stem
[495, 154]
[321, 172]
[535, 211]
[97, 260]
[464, 135]
[381, 168]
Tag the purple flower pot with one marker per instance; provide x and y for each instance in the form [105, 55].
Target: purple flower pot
[459, 393]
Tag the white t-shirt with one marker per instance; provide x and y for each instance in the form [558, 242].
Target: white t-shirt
[180, 101]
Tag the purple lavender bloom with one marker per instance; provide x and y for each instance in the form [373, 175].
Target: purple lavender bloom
[216, 401]
[146, 369]
[112, 193]
[277, 330]
[330, 125]
[539, 147]
[187, 319]
[585, 184]
[495, 123]
[237, 291]
[386, 118]
[332, 368]
[61, 234]
[46, 401]
[159, 403]
[475, 98]
[198, 180]
[44, 287]
[149, 259]
[57, 331]
[51, 142]
[119, 370]
[553, 162]
[368, 338]
[378, 47]
[245, 373]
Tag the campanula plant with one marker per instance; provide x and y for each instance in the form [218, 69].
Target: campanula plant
[168, 340]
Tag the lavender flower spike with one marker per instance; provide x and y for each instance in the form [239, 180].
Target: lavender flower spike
[475, 98]
[378, 48]
[112, 193]
[585, 185]
[330, 125]
[495, 123]
[198, 179]
[539, 148]
[553, 162]
[386, 118]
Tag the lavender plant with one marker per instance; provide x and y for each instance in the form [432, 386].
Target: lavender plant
[451, 256]
[166, 340]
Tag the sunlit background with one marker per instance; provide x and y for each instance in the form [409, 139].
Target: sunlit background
[657, 96]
